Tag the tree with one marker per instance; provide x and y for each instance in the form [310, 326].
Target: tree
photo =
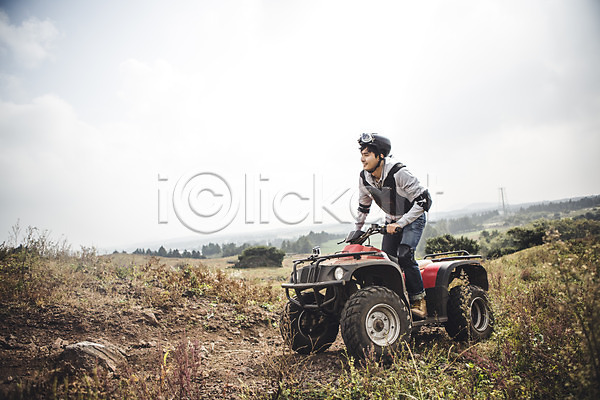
[524, 238]
[304, 245]
[196, 254]
[260, 256]
[211, 249]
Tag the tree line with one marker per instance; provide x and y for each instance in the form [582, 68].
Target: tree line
[444, 227]
[476, 221]
[207, 250]
[171, 253]
[494, 244]
[562, 206]
[305, 243]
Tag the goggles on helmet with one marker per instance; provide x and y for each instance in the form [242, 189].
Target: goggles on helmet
[366, 138]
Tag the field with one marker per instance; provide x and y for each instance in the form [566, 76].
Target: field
[202, 329]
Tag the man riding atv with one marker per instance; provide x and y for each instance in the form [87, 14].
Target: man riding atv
[376, 297]
[400, 195]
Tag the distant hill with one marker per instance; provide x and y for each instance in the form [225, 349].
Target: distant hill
[473, 217]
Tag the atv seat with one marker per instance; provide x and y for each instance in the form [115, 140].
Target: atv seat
[422, 263]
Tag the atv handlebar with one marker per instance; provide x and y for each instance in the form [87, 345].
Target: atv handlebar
[359, 237]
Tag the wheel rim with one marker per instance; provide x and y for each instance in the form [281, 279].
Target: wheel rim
[310, 324]
[480, 316]
[382, 324]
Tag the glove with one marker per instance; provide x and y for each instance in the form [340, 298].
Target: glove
[396, 231]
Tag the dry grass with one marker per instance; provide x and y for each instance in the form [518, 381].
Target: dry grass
[546, 302]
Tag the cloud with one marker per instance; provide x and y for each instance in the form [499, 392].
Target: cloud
[60, 172]
[30, 43]
[474, 97]
[45, 148]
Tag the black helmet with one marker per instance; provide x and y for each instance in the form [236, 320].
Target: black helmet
[380, 143]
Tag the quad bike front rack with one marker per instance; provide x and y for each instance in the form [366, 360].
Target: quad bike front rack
[313, 276]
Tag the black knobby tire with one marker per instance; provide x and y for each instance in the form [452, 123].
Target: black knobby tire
[307, 331]
[375, 321]
[469, 314]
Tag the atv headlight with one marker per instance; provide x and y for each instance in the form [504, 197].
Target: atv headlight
[338, 274]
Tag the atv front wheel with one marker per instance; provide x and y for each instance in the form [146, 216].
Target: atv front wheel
[469, 314]
[307, 331]
[374, 320]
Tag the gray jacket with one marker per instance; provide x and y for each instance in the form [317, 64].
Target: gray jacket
[403, 205]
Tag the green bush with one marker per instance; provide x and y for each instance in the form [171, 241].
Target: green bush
[495, 244]
[447, 243]
[260, 256]
[524, 238]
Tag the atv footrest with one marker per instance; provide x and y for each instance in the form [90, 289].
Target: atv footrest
[429, 321]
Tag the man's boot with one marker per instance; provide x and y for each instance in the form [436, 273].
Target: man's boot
[419, 309]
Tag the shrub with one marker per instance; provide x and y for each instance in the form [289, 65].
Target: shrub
[260, 256]
[534, 234]
[447, 243]
[524, 238]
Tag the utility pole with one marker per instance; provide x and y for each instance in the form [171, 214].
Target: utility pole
[503, 201]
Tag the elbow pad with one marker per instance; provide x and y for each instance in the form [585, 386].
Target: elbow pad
[364, 208]
[424, 200]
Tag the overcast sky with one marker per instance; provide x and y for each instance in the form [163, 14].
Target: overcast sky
[115, 116]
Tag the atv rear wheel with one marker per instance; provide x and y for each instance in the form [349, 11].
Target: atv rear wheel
[469, 314]
[374, 320]
[307, 331]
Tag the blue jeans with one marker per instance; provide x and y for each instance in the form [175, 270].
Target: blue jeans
[410, 236]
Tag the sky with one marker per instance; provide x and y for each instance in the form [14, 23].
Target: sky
[142, 121]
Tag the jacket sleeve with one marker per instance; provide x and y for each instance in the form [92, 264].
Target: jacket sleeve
[364, 205]
[408, 186]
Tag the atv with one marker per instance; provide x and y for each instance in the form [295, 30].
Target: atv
[362, 290]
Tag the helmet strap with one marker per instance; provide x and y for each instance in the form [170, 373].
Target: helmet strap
[377, 166]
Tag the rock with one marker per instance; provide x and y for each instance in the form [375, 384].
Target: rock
[245, 371]
[59, 344]
[87, 355]
[145, 345]
[32, 348]
[150, 317]
[10, 342]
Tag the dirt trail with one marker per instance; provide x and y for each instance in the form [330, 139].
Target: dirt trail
[238, 352]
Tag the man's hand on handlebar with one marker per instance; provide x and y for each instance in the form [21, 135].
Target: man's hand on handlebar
[393, 228]
[360, 236]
